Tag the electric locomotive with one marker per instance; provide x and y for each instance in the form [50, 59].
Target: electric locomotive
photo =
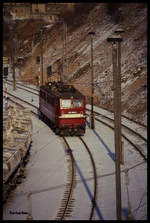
[63, 107]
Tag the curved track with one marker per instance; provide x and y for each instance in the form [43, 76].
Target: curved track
[95, 178]
[66, 203]
[136, 134]
[125, 126]
[24, 87]
[36, 92]
[125, 137]
[92, 167]
[123, 116]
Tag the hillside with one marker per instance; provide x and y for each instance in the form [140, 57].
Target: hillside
[104, 19]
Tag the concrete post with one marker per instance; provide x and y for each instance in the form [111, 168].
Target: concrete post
[116, 58]
[92, 118]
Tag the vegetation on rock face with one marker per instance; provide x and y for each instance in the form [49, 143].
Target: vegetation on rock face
[76, 14]
[80, 72]
[81, 18]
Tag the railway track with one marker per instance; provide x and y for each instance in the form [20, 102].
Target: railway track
[67, 201]
[123, 116]
[24, 87]
[20, 105]
[36, 92]
[95, 178]
[133, 132]
[126, 138]
[93, 167]
[26, 102]
[110, 126]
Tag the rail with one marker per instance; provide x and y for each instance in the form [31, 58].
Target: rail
[66, 204]
[95, 178]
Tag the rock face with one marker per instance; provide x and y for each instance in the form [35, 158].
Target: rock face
[70, 46]
[17, 136]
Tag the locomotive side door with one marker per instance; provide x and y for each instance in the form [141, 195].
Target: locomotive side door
[56, 110]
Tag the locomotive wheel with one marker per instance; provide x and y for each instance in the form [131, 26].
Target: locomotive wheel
[57, 131]
[72, 133]
[50, 124]
[41, 116]
[62, 133]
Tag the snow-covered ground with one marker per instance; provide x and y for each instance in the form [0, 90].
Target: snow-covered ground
[46, 176]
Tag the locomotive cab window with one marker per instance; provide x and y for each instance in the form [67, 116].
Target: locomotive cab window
[77, 103]
[65, 103]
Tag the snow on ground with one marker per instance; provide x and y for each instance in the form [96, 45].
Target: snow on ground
[46, 176]
[130, 124]
[102, 148]
[31, 98]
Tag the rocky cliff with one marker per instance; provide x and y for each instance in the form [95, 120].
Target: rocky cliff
[71, 44]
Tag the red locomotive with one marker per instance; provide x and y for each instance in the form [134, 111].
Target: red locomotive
[63, 107]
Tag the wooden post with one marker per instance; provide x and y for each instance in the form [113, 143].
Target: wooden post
[29, 206]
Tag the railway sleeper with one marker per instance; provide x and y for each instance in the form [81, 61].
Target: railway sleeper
[66, 192]
[59, 215]
[66, 197]
[63, 204]
[67, 215]
[70, 202]
[69, 209]
[67, 185]
[69, 174]
[62, 209]
[68, 188]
